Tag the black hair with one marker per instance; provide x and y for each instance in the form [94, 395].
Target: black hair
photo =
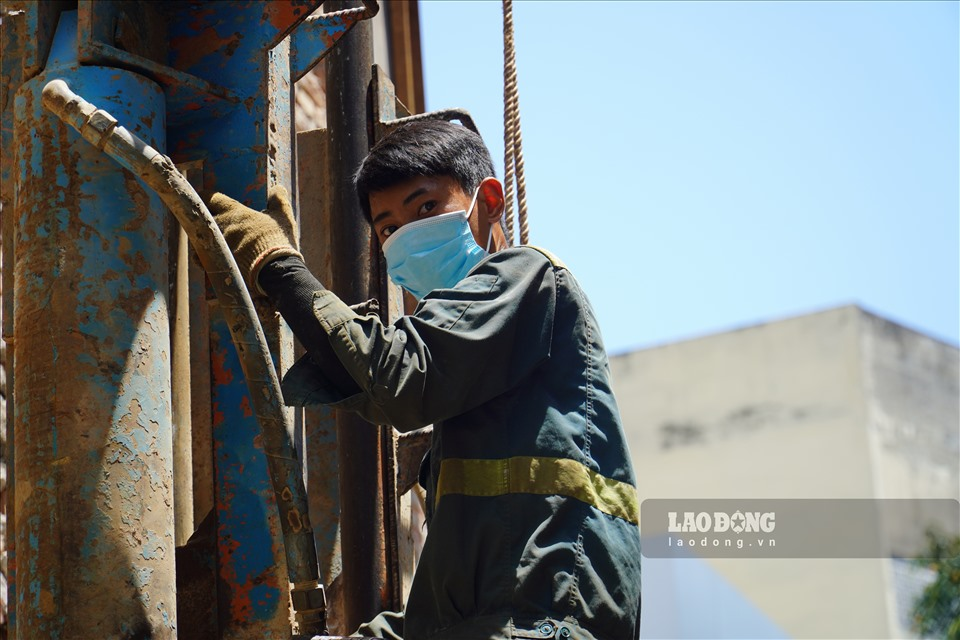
[423, 148]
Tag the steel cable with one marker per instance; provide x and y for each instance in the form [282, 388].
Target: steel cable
[512, 138]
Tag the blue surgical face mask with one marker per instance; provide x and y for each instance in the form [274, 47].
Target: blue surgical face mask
[433, 253]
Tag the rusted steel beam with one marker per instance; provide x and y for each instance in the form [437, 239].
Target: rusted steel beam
[10, 507]
[93, 427]
[198, 352]
[11, 77]
[404, 454]
[246, 149]
[13, 35]
[103, 132]
[200, 411]
[133, 35]
[252, 592]
[319, 423]
[10, 569]
[281, 18]
[41, 23]
[318, 34]
[180, 380]
[406, 68]
[356, 277]
[307, 593]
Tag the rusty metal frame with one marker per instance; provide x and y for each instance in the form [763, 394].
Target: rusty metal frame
[252, 97]
[355, 278]
[92, 424]
[387, 106]
[317, 35]
[100, 23]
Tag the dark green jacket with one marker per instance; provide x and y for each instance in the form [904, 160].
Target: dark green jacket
[532, 506]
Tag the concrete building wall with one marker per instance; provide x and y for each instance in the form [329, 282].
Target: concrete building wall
[913, 403]
[836, 404]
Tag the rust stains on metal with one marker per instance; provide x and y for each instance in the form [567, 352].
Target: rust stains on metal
[204, 43]
[294, 520]
[251, 563]
[93, 415]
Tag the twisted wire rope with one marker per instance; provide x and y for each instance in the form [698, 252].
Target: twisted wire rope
[512, 139]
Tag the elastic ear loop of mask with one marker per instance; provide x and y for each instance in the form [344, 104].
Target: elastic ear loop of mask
[473, 203]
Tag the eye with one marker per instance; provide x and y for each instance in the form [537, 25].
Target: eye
[426, 208]
[387, 231]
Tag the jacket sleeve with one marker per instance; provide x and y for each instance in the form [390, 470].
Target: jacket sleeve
[462, 347]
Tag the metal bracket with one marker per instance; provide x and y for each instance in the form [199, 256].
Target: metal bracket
[389, 113]
[317, 35]
[101, 25]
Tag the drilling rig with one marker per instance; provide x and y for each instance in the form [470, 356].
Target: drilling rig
[158, 487]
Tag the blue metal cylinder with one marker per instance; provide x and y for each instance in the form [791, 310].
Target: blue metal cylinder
[94, 494]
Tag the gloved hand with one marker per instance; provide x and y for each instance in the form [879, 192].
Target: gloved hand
[255, 237]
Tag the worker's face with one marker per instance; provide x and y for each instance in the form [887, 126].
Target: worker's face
[426, 197]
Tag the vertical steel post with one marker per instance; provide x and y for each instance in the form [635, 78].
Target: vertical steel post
[9, 536]
[180, 377]
[13, 48]
[93, 427]
[348, 69]
[246, 149]
[320, 423]
[10, 533]
[252, 591]
[200, 410]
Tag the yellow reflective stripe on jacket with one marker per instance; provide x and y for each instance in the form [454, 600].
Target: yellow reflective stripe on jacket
[541, 476]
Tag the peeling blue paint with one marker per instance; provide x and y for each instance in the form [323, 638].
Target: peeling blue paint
[152, 547]
[246, 509]
[127, 489]
[120, 360]
[141, 577]
[155, 480]
[87, 359]
[92, 256]
[264, 596]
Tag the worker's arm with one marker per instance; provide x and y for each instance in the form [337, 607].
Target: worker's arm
[265, 246]
[291, 288]
[462, 347]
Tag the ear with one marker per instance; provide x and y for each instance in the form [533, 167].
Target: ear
[490, 200]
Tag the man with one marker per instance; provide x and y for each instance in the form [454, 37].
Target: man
[532, 506]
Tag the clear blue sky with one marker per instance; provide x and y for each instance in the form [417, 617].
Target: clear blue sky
[705, 166]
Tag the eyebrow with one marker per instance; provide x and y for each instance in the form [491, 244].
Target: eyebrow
[416, 193]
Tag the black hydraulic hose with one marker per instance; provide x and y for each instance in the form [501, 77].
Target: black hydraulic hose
[159, 173]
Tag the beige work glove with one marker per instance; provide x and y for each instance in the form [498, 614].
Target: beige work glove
[255, 237]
